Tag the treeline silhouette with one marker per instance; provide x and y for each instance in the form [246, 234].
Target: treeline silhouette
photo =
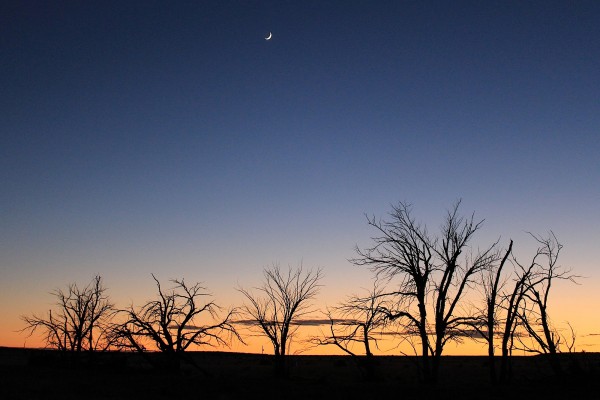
[429, 289]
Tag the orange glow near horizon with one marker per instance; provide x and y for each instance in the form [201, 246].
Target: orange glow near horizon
[572, 303]
[258, 344]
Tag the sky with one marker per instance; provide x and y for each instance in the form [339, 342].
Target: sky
[172, 138]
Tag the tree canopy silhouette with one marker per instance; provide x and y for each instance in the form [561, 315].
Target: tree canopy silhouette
[180, 317]
[275, 307]
[432, 274]
[79, 320]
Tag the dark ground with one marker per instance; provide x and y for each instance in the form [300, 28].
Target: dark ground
[45, 374]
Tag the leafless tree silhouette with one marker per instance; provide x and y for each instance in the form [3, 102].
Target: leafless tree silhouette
[491, 283]
[359, 320]
[283, 298]
[427, 269]
[355, 321]
[511, 304]
[534, 312]
[79, 320]
[177, 320]
[526, 325]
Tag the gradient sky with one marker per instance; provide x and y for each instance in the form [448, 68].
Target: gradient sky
[171, 138]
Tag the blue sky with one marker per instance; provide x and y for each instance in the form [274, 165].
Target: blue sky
[170, 137]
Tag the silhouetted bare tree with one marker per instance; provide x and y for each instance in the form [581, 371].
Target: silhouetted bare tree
[281, 301]
[178, 319]
[359, 320]
[526, 323]
[534, 312]
[355, 321]
[491, 282]
[427, 269]
[513, 301]
[79, 320]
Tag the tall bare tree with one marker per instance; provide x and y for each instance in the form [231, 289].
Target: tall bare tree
[491, 282]
[275, 308]
[175, 321]
[526, 324]
[403, 249]
[433, 274]
[79, 320]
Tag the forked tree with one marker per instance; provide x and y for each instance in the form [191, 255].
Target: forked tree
[432, 275]
[511, 304]
[523, 311]
[491, 283]
[355, 325]
[500, 314]
[78, 320]
[275, 308]
[356, 321]
[533, 315]
[179, 318]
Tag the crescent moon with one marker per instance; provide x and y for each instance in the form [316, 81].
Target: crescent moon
[269, 37]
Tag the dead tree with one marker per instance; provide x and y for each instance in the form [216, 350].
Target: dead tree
[279, 303]
[178, 319]
[358, 321]
[403, 250]
[513, 303]
[491, 283]
[432, 276]
[359, 317]
[79, 320]
[534, 312]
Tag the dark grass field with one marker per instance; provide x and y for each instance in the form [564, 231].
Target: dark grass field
[46, 374]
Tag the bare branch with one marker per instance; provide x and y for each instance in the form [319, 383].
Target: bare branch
[283, 298]
[79, 320]
[178, 319]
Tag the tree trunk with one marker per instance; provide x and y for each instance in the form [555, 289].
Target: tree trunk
[552, 351]
[492, 361]
[425, 367]
[491, 355]
[366, 342]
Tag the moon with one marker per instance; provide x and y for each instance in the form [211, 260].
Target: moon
[269, 36]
